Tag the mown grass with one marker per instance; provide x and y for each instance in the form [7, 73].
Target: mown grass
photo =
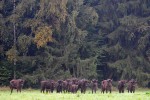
[30, 94]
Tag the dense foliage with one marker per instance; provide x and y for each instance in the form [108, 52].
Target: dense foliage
[58, 39]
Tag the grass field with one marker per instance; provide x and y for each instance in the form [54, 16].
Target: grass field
[30, 94]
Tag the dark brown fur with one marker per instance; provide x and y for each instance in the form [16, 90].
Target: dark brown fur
[16, 84]
[82, 84]
[47, 85]
[106, 85]
[131, 86]
[94, 84]
[121, 85]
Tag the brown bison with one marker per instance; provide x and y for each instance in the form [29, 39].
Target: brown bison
[16, 84]
[59, 86]
[73, 85]
[121, 85]
[106, 85]
[52, 85]
[82, 84]
[47, 85]
[94, 85]
[69, 83]
[75, 81]
[131, 86]
[73, 88]
[64, 86]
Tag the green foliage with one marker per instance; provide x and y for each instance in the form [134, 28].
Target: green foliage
[58, 39]
[12, 54]
[23, 43]
[86, 17]
[5, 73]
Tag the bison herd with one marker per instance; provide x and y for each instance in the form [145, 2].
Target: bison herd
[73, 85]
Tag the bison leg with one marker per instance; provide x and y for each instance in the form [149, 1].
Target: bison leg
[20, 90]
[95, 90]
[109, 90]
[119, 91]
[84, 91]
[122, 91]
[102, 91]
[128, 90]
[133, 91]
[11, 90]
[81, 90]
[106, 90]
[51, 91]
[46, 90]
[41, 90]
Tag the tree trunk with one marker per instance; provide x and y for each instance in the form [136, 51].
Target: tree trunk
[14, 25]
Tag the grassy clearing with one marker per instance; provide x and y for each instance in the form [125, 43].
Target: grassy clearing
[36, 95]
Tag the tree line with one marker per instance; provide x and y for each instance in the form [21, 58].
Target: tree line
[59, 39]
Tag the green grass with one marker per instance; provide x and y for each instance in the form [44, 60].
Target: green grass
[36, 95]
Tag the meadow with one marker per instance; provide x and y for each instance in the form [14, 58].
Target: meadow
[30, 94]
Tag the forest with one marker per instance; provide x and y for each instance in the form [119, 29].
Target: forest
[59, 39]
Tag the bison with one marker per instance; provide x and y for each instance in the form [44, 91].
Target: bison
[52, 85]
[59, 87]
[82, 84]
[106, 85]
[121, 85]
[64, 86]
[94, 85]
[131, 86]
[47, 85]
[73, 88]
[16, 84]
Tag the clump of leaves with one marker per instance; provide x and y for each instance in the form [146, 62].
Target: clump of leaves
[12, 54]
[43, 35]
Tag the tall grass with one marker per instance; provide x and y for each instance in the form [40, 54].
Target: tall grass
[36, 95]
